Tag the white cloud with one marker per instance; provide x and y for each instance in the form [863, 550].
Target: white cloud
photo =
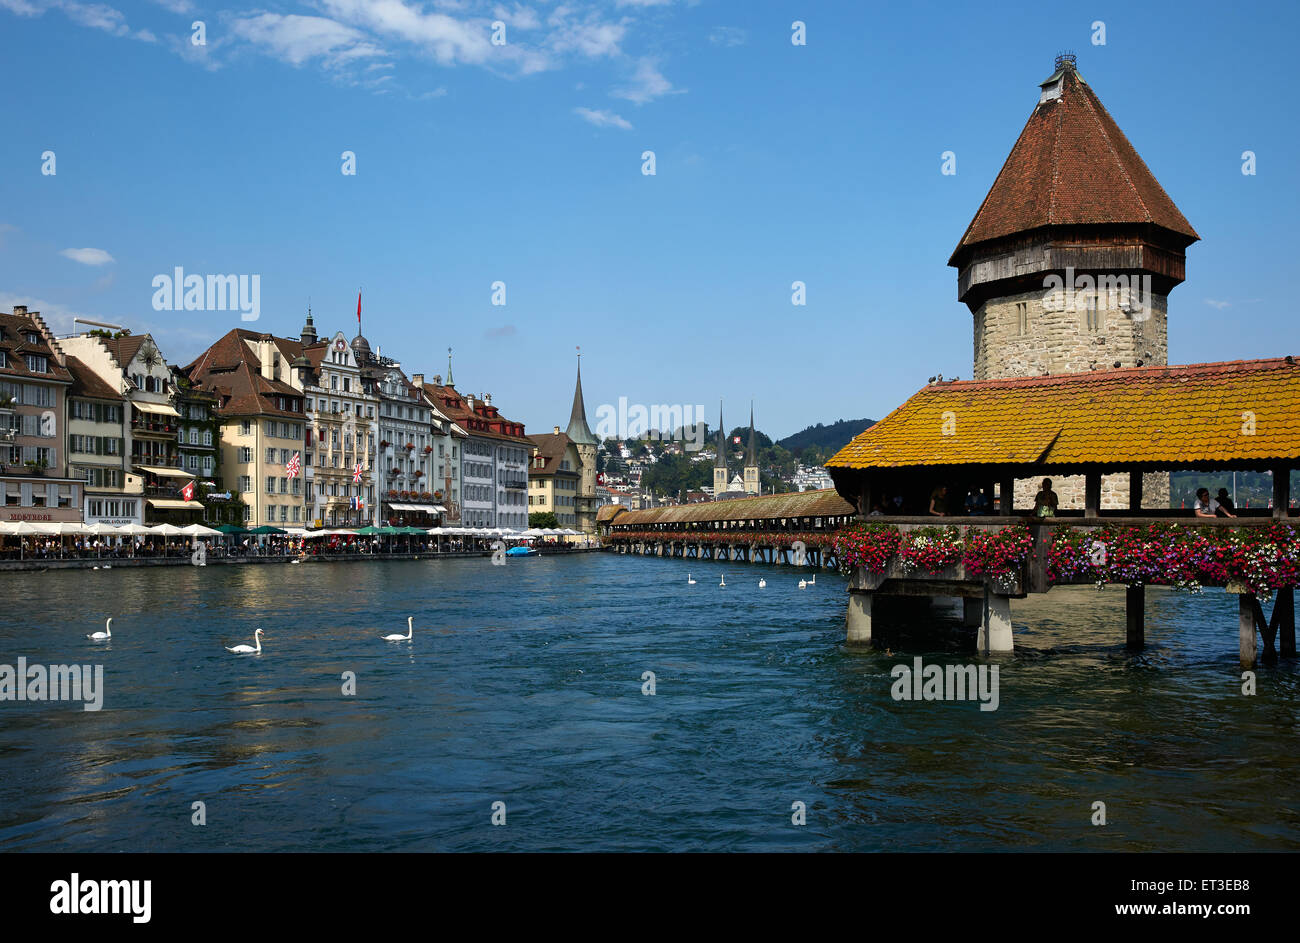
[87, 256]
[648, 83]
[448, 39]
[297, 39]
[603, 119]
[1218, 304]
[58, 317]
[727, 36]
[179, 7]
[98, 16]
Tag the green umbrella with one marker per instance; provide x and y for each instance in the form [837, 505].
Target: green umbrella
[231, 529]
[267, 529]
[370, 530]
[391, 531]
[413, 531]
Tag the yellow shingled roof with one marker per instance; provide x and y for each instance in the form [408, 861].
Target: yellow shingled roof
[823, 503]
[1240, 410]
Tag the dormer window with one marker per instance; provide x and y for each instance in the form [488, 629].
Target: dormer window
[37, 363]
[33, 337]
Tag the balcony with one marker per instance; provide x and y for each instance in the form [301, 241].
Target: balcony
[517, 482]
[152, 428]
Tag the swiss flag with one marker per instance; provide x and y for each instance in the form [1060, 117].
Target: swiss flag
[188, 491]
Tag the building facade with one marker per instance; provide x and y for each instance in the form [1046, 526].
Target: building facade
[262, 423]
[34, 385]
[134, 365]
[97, 451]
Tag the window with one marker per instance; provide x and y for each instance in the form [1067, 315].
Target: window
[248, 513]
[38, 363]
[270, 513]
[1093, 314]
[207, 436]
[245, 428]
[194, 463]
[245, 483]
[245, 454]
[270, 484]
[270, 455]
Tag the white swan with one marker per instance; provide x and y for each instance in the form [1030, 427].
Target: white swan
[107, 633]
[410, 630]
[248, 649]
[724, 580]
[762, 583]
[689, 581]
[803, 584]
[812, 581]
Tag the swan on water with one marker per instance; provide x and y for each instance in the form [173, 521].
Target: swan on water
[107, 633]
[724, 580]
[803, 584]
[410, 629]
[689, 581]
[761, 583]
[248, 649]
[812, 580]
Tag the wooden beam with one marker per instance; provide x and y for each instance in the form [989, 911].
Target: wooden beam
[1284, 614]
[1135, 491]
[1091, 494]
[1135, 617]
[1006, 496]
[1246, 628]
[1281, 490]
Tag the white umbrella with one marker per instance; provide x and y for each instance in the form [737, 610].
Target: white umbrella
[100, 529]
[198, 530]
[134, 530]
[166, 530]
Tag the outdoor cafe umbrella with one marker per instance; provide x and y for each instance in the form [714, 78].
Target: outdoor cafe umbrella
[267, 529]
[198, 530]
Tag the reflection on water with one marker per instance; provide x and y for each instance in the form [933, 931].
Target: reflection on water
[523, 684]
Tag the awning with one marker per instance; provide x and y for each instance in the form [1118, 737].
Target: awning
[431, 508]
[168, 504]
[155, 408]
[164, 472]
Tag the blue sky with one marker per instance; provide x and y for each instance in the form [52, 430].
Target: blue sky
[522, 164]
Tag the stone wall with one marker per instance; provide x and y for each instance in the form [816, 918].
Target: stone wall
[1114, 491]
[1055, 337]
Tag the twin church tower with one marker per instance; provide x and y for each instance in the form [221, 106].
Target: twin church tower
[742, 485]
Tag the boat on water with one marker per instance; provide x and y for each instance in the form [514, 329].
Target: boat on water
[522, 551]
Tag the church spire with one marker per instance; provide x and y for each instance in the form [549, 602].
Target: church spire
[579, 432]
[721, 460]
[450, 381]
[751, 453]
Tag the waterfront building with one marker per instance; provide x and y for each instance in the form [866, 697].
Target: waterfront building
[135, 366]
[342, 432]
[494, 457]
[198, 439]
[34, 383]
[97, 453]
[555, 477]
[1068, 263]
[411, 488]
[262, 424]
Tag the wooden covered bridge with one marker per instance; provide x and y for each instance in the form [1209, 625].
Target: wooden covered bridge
[778, 528]
[974, 436]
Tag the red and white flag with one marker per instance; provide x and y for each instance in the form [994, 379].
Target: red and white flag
[356, 473]
[736, 439]
[188, 491]
[294, 466]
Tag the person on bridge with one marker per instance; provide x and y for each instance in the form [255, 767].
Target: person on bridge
[1206, 506]
[939, 501]
[1046, 502]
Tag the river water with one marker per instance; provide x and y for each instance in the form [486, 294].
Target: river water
[523, 686]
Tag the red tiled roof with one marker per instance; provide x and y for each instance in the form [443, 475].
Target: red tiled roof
[87, 383]
[13, 341]
[552, 448]
[1072, 165]
[483, 420]
[225, 369]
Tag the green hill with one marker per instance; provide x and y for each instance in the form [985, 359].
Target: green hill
[816, 444]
